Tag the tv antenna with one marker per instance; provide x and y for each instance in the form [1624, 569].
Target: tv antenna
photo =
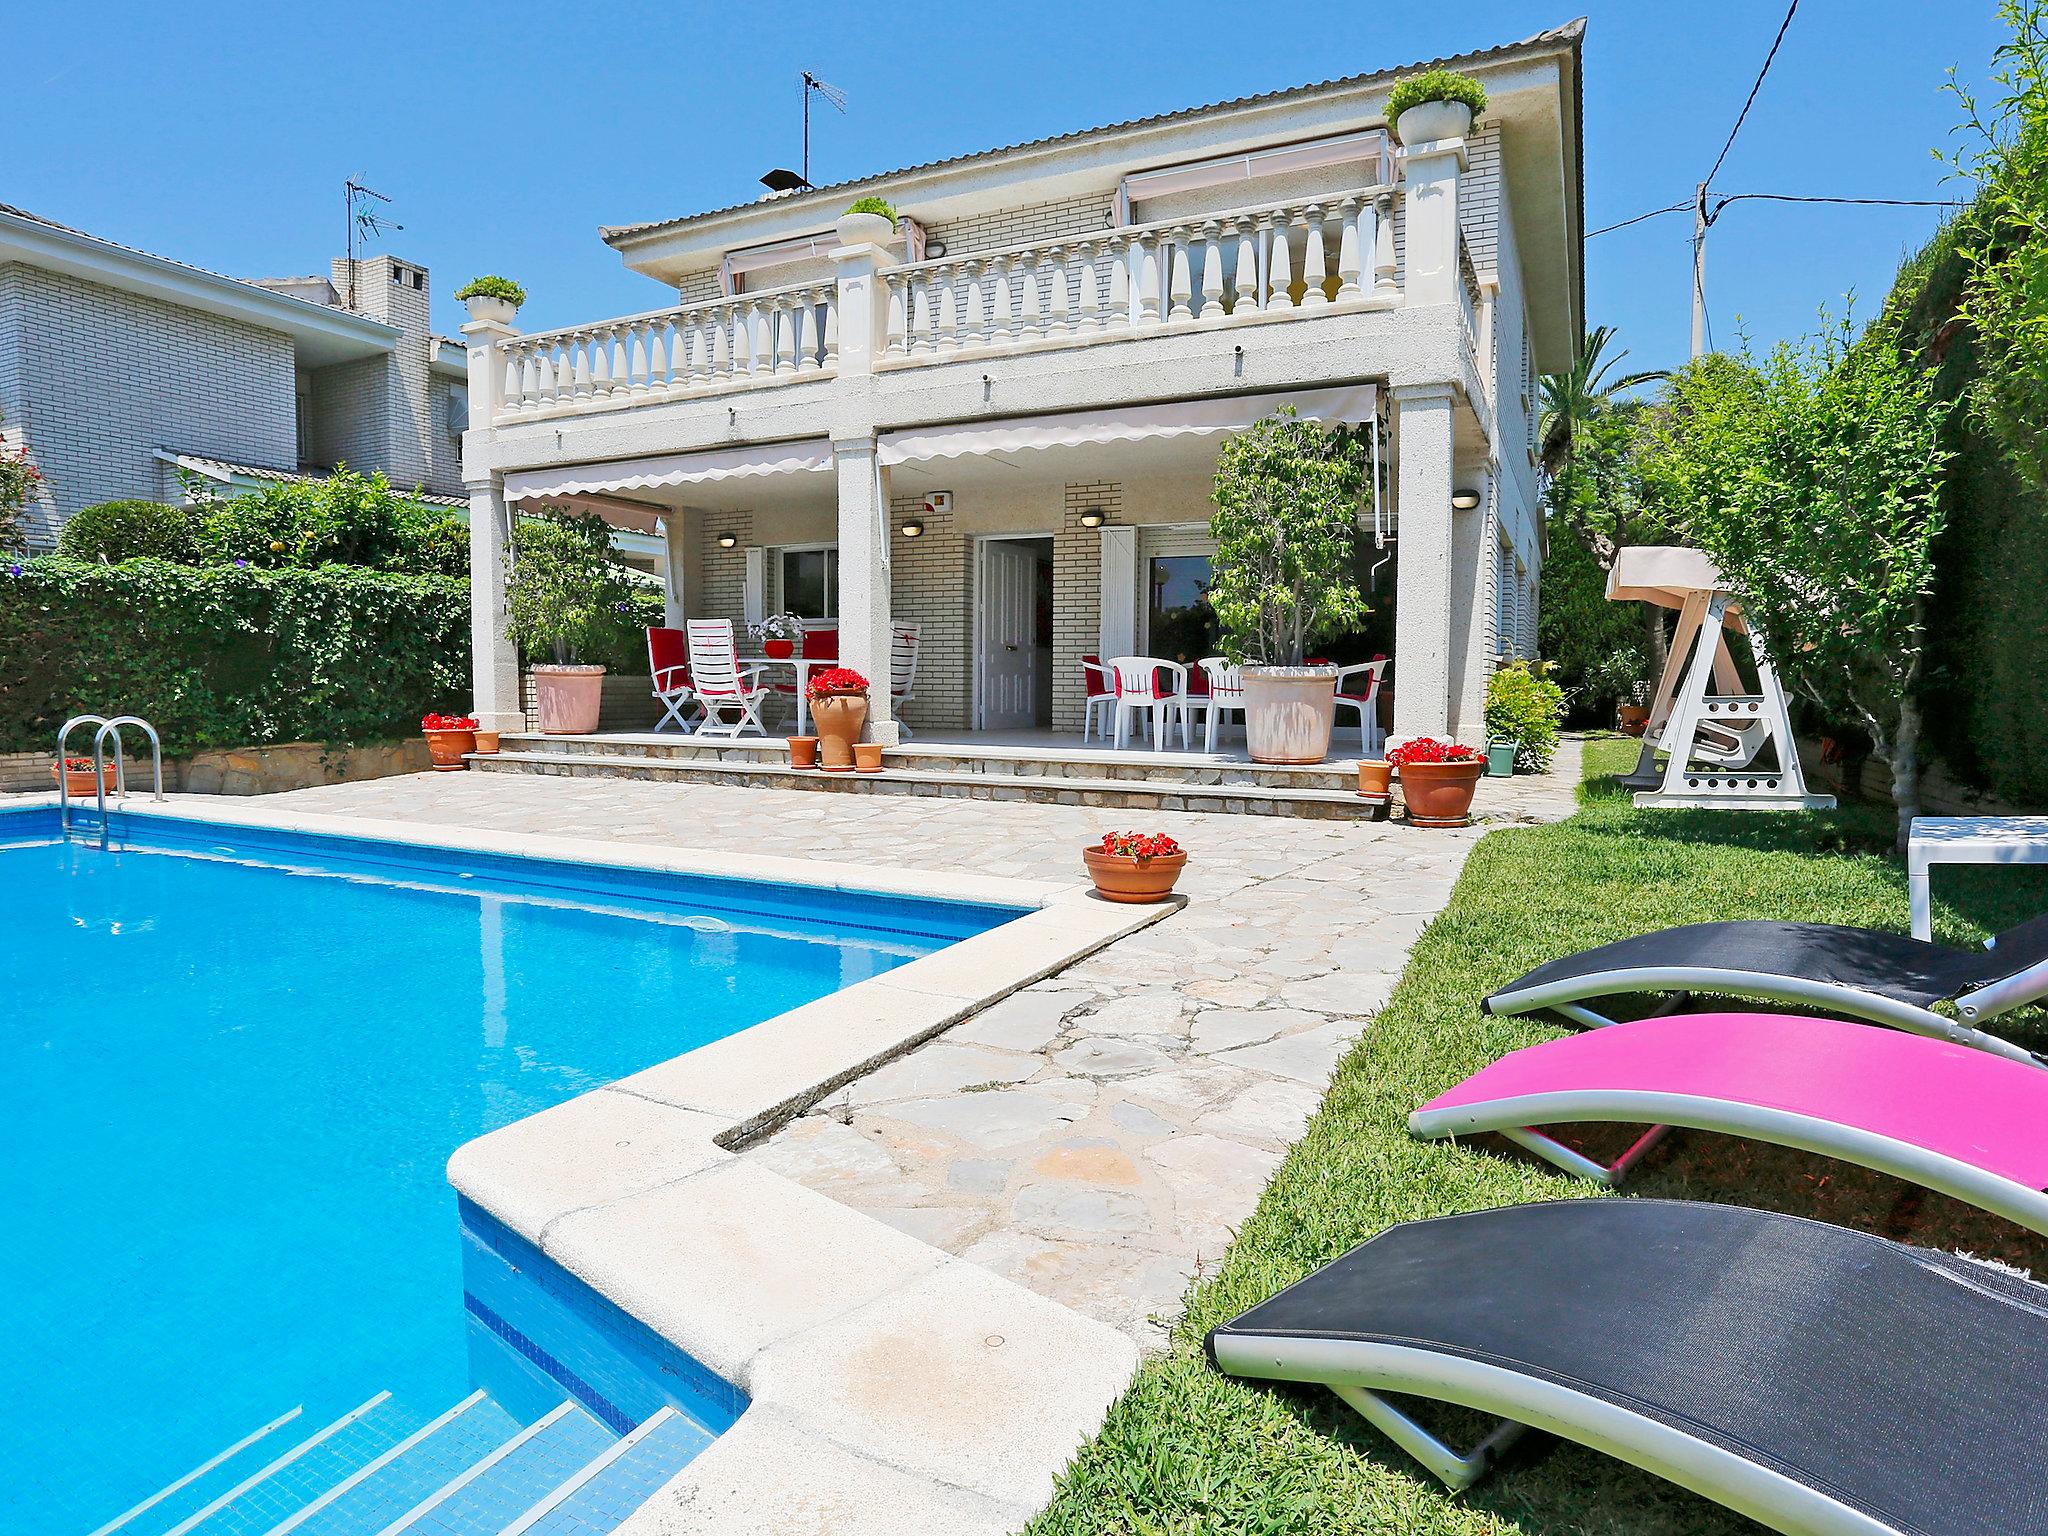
[364, 224]
[780, 180]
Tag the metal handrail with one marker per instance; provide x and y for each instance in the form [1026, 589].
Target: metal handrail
[107, 727]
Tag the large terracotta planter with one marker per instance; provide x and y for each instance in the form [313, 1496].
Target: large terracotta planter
[81, 785]
[838, 718]
[569, 699]
[1288, 712]
[1431, 122]
[1120, 877]
[1440, 794]
[445, 749]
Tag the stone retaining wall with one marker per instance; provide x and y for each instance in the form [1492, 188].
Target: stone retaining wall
[241, 770]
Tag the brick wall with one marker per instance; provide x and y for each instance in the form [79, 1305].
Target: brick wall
[722, 592]
[930, 579]
[1479, 200]
[1018, 226]
[1077, 594]
[384, 413]
[95, 380]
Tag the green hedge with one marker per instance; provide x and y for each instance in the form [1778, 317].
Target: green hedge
[1986, 695]
[228, 656]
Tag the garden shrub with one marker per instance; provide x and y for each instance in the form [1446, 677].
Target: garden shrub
[228, 656]
[571, 601]
[345, 519]
[127, 530]
[491, 286]
[1435, 85]
[1596, 648]
[1524, 706]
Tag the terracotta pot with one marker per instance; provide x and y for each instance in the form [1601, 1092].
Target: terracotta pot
[1431, 122]
[1119, 877]
[1440, 794]
[839, 718]
[782, 649]
[867, 756]
[487, 743]
[1288, 712]
[445, 749]
[81, 785]
[803, 751]
[1633, 719]
[1376, 781]
[569, 699]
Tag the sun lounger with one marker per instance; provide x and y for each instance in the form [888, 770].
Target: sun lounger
[1815, 1379]
[1961, 1121]
[1858, 973]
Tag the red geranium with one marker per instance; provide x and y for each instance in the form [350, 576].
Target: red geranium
[1139, 845]
[447, 723]
[81, 764]
[836, 680]
[1427, 749]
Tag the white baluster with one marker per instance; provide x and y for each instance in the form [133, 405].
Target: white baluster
[975, 330]
[515, 391]
[1315, 268]
[831, 344]
[1244, 277]
[1002, 303]
[636, 342]
[1031, 323]
[601, 364]
[529, 378]
[1120, 257]
[1147, 283]
[899, 317]
[953, 321]
[1090, 315]
[1181, 286]
[760, 327]
[1280, 266]
[1212, 273]
[806, 331]
[1350, 266]
[1386, 267]
[576, 369]
[920, 338]
[777, 336]
[1060, 321]
[544, 387]
[718, 339]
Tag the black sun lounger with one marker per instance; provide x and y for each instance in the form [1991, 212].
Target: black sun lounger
[1812, 1378]
[1858, 973]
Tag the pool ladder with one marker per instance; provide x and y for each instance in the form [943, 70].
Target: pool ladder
[107, 727]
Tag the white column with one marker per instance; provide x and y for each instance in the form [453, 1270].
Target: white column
[1422, 626]
[675, 594]
[1475, 564]
[1386, 268]
[1430, 231]
[864, 575]
[494, 664]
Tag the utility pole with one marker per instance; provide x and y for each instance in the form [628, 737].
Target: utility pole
[1699, 270]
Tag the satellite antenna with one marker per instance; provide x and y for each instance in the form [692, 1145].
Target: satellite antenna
[832, 94]
[364, 224]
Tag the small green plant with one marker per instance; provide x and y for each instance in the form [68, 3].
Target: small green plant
[1435, 85]
[569, 600]
[879, 205]
[493, 288]
[1524, 706]
[114, 531]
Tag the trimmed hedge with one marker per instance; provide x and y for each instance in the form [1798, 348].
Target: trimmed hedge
[127, 530]
[228, 656]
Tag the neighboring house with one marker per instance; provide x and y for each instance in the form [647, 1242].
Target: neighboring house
[1002, 423]
[118, 368]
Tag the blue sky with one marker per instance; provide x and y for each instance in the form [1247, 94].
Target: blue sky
[221, 134]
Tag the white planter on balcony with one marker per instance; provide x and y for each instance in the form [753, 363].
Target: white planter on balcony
[498, 311]
[1430, 122]
[866, 229]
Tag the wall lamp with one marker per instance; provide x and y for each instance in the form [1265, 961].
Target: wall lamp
[727, 540]
[912, 527]
[1464, 501]
[1093, 518]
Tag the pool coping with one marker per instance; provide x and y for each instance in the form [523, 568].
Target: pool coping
[892, 1386]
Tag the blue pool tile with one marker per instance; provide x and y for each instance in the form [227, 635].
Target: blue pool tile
[431, 1463]
[599, 1505]
[305, 1477]
[235, 1465]
[496, 1496]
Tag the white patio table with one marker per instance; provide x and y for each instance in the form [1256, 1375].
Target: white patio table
[1966, 840]
[803, 668]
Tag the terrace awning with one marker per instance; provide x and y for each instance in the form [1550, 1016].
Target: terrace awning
[671, 469]
[1126, 424]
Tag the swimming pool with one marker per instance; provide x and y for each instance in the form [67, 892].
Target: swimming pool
[238, 1061]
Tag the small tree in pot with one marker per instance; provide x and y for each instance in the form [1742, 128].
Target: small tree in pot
[564, 594]
[1285, 573]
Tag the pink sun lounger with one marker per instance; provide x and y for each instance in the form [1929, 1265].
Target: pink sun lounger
[1957, 1120]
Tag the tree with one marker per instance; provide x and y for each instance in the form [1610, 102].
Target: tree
[569, 600]
[1582, 394]
[1813, 478]
[1286, 529]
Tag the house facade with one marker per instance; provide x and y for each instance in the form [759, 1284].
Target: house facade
[999, 420]
[119, 369]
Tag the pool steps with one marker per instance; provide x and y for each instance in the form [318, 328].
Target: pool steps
[473, 1470]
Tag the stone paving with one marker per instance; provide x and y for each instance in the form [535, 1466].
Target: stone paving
[1097, 1136]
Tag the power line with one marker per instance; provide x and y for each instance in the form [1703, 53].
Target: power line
[1624, 224]
[1741, 116]
[1783, 197]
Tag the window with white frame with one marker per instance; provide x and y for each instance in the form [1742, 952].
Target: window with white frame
[807, 578]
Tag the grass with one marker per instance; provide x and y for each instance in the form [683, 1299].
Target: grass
[1188, 1450]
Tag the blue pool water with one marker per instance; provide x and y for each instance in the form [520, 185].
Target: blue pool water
[235, 1065]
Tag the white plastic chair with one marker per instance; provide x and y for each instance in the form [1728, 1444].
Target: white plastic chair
[668, 666]
[715, 674]
[1098, 688]
[1366, 702]
[1226, 693]
[902, 672]
[1137, 687]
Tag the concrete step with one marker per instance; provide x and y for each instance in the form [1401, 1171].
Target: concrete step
[764, 772]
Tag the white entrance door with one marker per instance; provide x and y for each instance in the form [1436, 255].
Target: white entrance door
[1009, 635]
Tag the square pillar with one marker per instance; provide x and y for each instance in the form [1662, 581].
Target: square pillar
[864, 613]
[1430, 174]
[494, 662]
[1475, 564]
[675, 568]
[1422, 625]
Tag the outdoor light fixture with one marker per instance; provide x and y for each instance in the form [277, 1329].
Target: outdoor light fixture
[1093, 518]
[912, 527]
[727, 540]
[1464, 501]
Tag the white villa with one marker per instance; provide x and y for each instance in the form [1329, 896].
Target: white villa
[1000, 421]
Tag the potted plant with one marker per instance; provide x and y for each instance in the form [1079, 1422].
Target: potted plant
[839, 708]
[79, 781]
[867, 221]
[565, 595]
[449, 737]
[1435, 105]
[1524, 708]
[778, 634]
[1285, 569]
[1437, 780]
[1134, 866]
[496, 299]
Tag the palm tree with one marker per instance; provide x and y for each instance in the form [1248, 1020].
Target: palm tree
[1582, 392]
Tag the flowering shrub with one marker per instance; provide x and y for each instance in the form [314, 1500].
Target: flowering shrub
[447, 723]
[1427, 749]
[81, 764]
[18, 482]
[836, 680]
[1139, 845]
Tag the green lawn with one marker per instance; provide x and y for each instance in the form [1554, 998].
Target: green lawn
[1189, 1450]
